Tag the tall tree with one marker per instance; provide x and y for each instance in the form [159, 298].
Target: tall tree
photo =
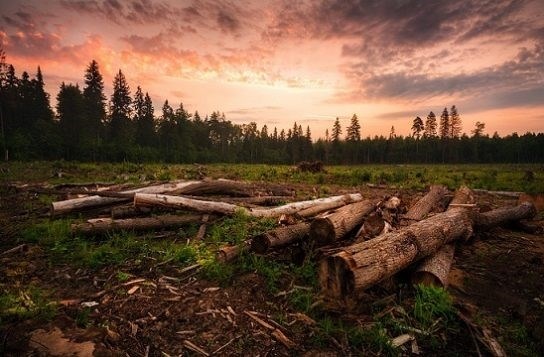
[354, 129]
[417, 127]
[41, 107]
[455, 123]
[336, 130]
[95, 104]
[444, 124]
[478, 129]
[70, 109]
[430, 126]
[120, 112]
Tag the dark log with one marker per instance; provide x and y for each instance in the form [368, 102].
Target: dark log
[128, 211]
[279, 237]
[217, 187]
[373, 226]
[500, 216]
[229, 253]
[336, 225]
[434, 269]
[98, 226]
[426, 204]
[361, 265]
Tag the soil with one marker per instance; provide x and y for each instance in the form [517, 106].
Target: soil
[498, 276]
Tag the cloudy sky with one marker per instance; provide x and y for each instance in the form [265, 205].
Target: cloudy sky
[275, 62]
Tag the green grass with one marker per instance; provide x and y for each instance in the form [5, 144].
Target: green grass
[431, 304]
[29, 303]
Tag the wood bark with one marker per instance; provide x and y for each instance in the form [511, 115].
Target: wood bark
[98, 226]
[279, 237]
[505, 215]
[234, 188]
[128, 211]
[324, 207]
[361, 265]
[426, 204]
[229, 253]
[434, 269]
[84, 203]
[336, 225]
[176, 202]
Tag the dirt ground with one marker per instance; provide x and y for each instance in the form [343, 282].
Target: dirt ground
[498, 277]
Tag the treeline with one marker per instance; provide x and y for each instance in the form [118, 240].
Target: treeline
[88, 127]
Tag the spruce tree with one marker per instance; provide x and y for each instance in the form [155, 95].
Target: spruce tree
[95, 104]
[336, 130]
[70, 112]
[417, 127]
[455, 124]
[354, 129]
[120, 112]
[444, 124]
[430, 126]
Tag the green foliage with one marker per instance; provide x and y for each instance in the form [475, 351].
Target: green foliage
[122, 276]
[374, 338]
[432, 303]
[82, 317]
[30, 303]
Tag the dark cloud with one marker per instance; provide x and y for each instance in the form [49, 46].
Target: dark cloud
[227, 23]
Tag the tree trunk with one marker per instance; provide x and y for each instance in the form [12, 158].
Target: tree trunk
[128, 211]
[434, 269]
[314, 211]
[426, 204]
[156, 200]
[334, 226]
[104, 225]
[361, 265]
[279, 237]
[505, 215]
[84, 203]
[229, 253]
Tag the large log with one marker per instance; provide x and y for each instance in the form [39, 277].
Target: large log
[361, 265]
[234, 188]
[279, 237]
[98, 226]
[426, 204]
[337, 224]
[176, 202]
[324, 207]
[84, 203]
[434, 269]
[505, 215]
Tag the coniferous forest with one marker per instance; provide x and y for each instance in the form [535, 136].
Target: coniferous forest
[88, 126]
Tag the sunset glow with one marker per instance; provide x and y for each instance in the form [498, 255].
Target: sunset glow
[276, 62]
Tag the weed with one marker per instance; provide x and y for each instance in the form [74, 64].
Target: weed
[26, 304]
[374, 338]
[432, 303]
[122, 276]
[302, 300]
[82, 317]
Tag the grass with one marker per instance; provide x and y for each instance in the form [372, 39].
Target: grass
[29, 303]
[432, 304]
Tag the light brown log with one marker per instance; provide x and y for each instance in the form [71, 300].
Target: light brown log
[167, 201]
[279, 237]
[361, 265]
[84, 203]
[229, 253]
[505, 215]
[434, 269]
[336, 225]
[421, 208]
[314, 211]
[98, 226]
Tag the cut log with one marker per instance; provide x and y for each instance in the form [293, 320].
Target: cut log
[372, 226]
[176, 202]
[511, 194]
[361, 265]
[217, 187]
[128, 211]
[426, 204]
[202, 229]
[279, 237]
[434, 269]
[324, 207]
[500, 216]
[229, 253]
[99, 226]
[336, 225]
[84, 203]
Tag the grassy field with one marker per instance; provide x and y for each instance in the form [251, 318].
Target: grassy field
[507, 177]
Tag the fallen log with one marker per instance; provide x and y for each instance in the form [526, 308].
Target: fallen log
[324, 207]
[128, 211]
[426, 204]
[84, 203]
[176, 202]
[500, 216]
[229, 253]
[202, 229]
[361, 265]
[434, 269]
[511, 194]
[217, 187]
[279, 237]
[99, 226]
[334, 226]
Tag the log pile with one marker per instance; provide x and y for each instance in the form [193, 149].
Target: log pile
[360, 242]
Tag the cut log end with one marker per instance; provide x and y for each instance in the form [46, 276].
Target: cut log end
[322, 231]
[335, 276]
[261, 244]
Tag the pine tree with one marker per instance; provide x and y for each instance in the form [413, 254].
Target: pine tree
[120, 112]
[455, 124]
[478, 129]
[417, 127]
[70, 112]
[41, 108]
[95, 104]
[392, 133]
[336, 131]
[444, 124]
[354, 130]
[143, 117]
[430, 126]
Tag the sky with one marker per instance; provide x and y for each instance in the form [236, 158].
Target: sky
[279, 61]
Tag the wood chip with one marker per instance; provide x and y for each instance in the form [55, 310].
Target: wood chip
[401, 340]
[191, 346]
[133, 289]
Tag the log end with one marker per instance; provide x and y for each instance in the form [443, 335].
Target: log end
[322, 231]
[426, 278]
[261, 244]
[335, 277]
